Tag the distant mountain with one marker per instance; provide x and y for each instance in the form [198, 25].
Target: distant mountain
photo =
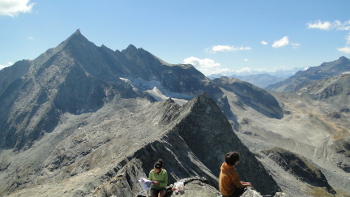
[334, 90]
[260, 78]
[303, 78]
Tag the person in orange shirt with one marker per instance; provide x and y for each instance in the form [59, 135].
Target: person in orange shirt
[229, 182]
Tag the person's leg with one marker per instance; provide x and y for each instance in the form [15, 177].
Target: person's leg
[239, 191]
[154, 193]
[162, 193]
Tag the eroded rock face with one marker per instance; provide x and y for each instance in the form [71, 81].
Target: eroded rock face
[299, 167]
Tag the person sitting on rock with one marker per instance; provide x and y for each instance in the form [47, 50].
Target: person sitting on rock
[159, 176]
[229, 183]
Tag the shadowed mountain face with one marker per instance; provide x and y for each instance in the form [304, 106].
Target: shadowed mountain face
[302, 78]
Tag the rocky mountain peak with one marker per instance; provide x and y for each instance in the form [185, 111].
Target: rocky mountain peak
[77, 31]
[343, 59]
[130, 49]
[77, 38]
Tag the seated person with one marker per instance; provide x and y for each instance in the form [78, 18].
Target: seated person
[160, 178]
[229, 183]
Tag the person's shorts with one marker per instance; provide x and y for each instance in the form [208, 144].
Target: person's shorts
[156, 191]
[238, 192]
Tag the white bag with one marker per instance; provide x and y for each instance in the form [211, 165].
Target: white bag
[179, 187]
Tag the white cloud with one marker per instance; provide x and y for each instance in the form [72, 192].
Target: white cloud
[3, 66]
[206, 66]
[246, 60]
[264, 43]
[31, 38]
[295, 45]
[342, 26]
[347, 38]
[320, 25]
[249, 70]
[223, 48]
[280, 43]
[245, 69]
[345, 49]
[201, 63]
[14, 7]
[326, 25]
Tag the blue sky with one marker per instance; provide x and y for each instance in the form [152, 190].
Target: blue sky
[216, 36]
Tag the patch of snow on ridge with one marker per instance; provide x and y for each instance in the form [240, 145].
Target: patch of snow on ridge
[155, 89]
[157, 94]
[129, 82]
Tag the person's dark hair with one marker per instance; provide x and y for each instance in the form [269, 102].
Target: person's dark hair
[231, 158]
[159, 164]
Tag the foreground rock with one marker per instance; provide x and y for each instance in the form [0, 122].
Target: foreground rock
[199, 187]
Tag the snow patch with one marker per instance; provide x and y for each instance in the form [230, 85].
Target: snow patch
[157, 94]
[156, 90]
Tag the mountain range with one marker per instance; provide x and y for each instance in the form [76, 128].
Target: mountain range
[303, 78]
[83, 120]
[261, 79]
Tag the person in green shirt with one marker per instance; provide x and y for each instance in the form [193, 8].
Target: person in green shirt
[159, 176]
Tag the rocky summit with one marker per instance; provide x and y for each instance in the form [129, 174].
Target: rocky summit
[83, 120]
